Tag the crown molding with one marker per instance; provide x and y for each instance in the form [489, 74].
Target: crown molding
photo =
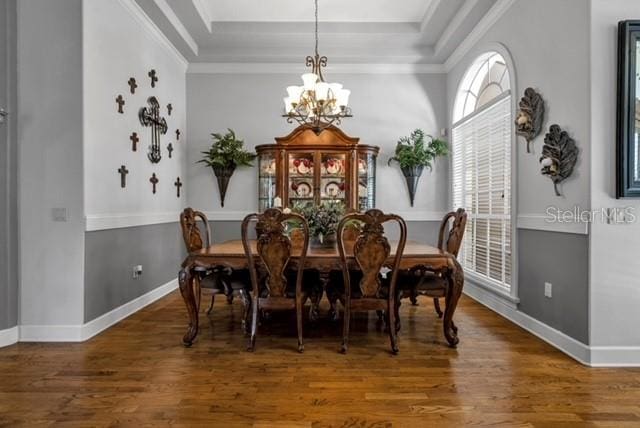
[177, 25]
[152, 29]
[487, 21]
[429, 14]
[204, 14]
[285, 68]
[454, 25]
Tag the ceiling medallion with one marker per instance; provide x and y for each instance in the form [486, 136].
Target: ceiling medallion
[316, 103]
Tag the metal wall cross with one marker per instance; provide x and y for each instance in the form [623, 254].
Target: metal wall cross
[154, 180]
[150, 116]
[178, 185]
[123, 176]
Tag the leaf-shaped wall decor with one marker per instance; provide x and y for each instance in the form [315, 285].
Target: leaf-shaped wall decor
[530, 116]
[559, 156]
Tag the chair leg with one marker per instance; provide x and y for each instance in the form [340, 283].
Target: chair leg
[436, 304]
[413, 295]
[246, 311]
[345, 326]
[213, 300]
[299, 323]
[393, 336]
[397, 311]
[198, 293]
[254, 324]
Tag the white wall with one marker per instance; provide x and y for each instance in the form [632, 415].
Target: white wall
[551, 58]
[385, 107]
[50, 161]
[113, 54]
[615, 284]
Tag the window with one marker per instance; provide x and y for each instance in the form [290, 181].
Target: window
[481, 172]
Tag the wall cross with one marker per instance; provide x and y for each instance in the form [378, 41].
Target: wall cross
[154, 78]
[150, 116]
[170, 149]
[134, 141]
[123, 176]
[132, 85]
[120, 102]
[178, 185]
[154, 180]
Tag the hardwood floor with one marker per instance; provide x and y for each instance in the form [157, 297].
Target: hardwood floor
[138, 374]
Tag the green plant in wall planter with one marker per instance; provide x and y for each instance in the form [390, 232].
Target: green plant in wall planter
[414, 153]
[224, 156]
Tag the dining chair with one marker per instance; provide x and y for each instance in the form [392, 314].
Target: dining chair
[220, 280]
[280, 287]
[364, 288]
[421, 281]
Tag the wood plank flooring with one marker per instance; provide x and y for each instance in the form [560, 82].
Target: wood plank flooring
[138, 374]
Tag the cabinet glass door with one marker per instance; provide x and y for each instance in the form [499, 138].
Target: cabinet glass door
[366, 181]
[267, 180]
[301, 183]
[333, 177]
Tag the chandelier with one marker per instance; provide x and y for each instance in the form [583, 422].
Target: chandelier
[316, 103]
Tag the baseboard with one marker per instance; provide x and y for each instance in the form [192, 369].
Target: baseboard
[80, 333]
[615, 356]
[8, 336]
[570, 346]
[105, 321]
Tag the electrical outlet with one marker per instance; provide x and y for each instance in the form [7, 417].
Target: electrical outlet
[59, 214]
[548, 289]
[137, 271]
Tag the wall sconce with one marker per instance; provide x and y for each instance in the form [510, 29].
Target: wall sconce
[530, 116]
[559, 156]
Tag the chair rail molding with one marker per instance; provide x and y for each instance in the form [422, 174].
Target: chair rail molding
[95, 222]
[544, 223]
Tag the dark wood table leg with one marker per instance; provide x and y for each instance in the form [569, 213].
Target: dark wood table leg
[186, 281]
[455, 276]
[315, 297]
[332, 295]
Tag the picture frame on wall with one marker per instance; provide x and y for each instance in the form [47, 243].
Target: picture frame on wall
[628, 114]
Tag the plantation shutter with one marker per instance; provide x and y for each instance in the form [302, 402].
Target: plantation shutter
[481, 176]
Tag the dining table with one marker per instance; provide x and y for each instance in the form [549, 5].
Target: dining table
[230, 254]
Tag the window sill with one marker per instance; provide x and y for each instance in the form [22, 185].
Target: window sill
[489, 287]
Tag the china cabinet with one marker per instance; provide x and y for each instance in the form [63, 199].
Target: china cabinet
[309, 168]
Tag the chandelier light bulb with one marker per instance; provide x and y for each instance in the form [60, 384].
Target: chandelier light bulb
[295, 92]
[309, 80]
[342, 97]
[322, 91]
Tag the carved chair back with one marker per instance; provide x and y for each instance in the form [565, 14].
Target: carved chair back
[371, 251]
[453, 240]
[191, 232]
[274, 249]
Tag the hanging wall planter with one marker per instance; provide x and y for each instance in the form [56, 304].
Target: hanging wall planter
[412, 177]
[223, 176]
[224, 156]
[413, 154]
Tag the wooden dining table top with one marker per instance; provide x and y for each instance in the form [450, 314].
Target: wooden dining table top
[232, 253]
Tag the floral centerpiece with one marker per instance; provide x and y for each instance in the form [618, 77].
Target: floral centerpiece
[323, 220]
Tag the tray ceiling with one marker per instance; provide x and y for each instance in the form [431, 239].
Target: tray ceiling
[351, 31]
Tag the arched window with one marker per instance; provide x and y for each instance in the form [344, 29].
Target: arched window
[481, 173]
